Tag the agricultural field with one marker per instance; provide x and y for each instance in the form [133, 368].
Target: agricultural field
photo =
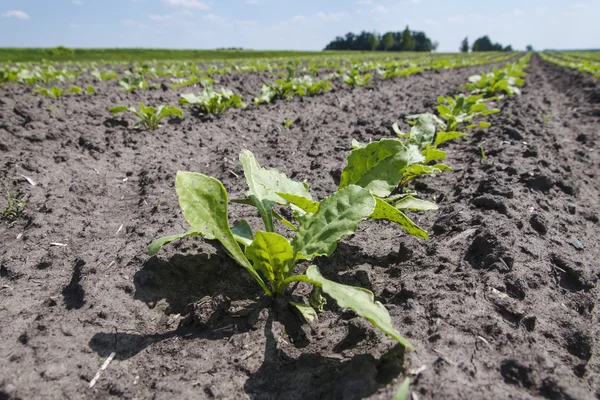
[333, 225]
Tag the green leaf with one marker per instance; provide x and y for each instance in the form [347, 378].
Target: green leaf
[156, 244]
[264, 185]
[402, 393]
[362, 301]
[307, 312]
[170, 110]
[243, 233]
[387, 212]
[443, 110]
[146, 110]
[379, 166]
[118, 109]
[304, 204]
[90, 90]
[432, 154]
[338, 215]
[443, 137]
[410, 203]
[484, 124]
[271, 254]
[203, 201]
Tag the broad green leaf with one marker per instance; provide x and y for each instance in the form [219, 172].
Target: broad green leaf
[443, 137]
[410, 203]
[443, 110]
[384, 211]
[156, 244]
[432, 154]
[304, 204]
[170, 110]
[264, 185]
[416, 170]
[361, 301]
[203, 201]
[484, 124]
[379, 166]
[74, 90]
[118, 109]
[402, 393]
[338, 215]
[243, 233]
[271, 254]
[56, 92]
[146, 110]
[308, 313]
[90, 90]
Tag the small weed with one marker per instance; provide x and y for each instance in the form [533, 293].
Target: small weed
[482, 151]
[546, 118]
[287, 123]
[13, 210]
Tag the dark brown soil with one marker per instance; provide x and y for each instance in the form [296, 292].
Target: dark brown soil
[500, 302]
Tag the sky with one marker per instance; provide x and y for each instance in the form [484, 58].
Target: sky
[293, 25]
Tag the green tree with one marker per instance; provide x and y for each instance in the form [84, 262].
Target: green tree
[529, 47]
[464, 45]
[408, 41]
[373, 41]
[388, 41]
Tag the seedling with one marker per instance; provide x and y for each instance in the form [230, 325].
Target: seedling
[482, 152]
[150, 117]
[131, 84]
[546, 118]
[270, 258]
[354, 78]
[212, 102]
[13, 210]
[287, 123]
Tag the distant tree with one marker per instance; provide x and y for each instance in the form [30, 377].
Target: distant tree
[508, 48]
[464, 45]
[408, 41]
[387, 41]
[529, 47]
[485, 44]
[373, 41]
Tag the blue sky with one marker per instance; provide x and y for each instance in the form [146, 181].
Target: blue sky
[296, 25]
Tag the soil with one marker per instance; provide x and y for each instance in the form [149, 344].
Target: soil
[500, 302]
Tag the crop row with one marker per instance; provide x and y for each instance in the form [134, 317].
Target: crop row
[184, 72]
[575, 61]
[375, 184]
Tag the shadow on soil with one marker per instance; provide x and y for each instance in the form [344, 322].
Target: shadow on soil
[202, 288]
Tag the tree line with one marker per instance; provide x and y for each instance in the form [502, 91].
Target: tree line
[406, 40]
[484, 43]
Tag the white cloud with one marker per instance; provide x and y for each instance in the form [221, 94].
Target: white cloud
[16, 14]
[195, 4]
[379, 9]
[456, 18]
[134, 23]
[171, 17]
[331, 17]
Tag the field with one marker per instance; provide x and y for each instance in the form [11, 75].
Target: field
[499, 301]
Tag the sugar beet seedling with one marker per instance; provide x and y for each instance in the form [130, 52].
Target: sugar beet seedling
[271, 259]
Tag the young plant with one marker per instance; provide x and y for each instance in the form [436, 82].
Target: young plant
[270, 258]
[132, 83]
[104, 75]
[13, 210]
[287, 89]
[354, 78]
[178, 83]
[209, 101]
[150, 117]
[459, 111]
[287, 123]
[55, 92]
